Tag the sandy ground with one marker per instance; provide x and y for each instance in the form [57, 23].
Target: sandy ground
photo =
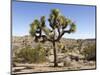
[45, 67]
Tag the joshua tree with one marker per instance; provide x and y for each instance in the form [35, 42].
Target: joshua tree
[58, 26]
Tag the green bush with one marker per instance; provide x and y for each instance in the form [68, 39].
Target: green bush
[90, 51]
[31, 55]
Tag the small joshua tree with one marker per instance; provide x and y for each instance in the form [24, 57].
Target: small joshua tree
[58, 26]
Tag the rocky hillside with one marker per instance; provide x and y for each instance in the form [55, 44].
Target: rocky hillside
[20, 41]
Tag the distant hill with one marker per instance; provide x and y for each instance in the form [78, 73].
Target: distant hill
[21, 40]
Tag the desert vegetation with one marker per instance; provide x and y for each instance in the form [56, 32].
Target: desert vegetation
[89, 52]
[32, 58]
[32, 55]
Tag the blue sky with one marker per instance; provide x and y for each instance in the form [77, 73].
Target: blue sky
[23, 13]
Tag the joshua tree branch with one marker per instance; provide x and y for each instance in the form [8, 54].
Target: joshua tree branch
[59, 31]
[63, 32]
[45, 37]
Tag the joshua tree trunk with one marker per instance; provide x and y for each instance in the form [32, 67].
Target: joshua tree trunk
[55, 55]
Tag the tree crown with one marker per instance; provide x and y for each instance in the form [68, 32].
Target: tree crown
[59, 25]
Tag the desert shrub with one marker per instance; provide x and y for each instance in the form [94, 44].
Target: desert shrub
[61, 48]
[89, 52]
[67, 64]
[48, 51]
[64, 50]
[31, 55]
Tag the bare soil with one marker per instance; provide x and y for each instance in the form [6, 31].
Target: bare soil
[48, 67]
